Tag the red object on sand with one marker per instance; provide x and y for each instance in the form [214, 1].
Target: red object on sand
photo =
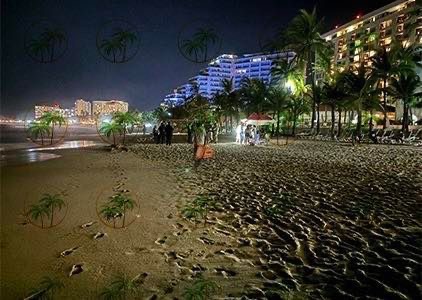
[204, 152]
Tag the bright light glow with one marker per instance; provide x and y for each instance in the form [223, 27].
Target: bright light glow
[290, 85]
[147, 125]
[358, 16]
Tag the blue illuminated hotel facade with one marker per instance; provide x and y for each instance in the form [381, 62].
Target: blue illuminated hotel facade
[227, 66]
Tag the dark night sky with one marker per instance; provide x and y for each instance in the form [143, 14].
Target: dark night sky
[157, 68]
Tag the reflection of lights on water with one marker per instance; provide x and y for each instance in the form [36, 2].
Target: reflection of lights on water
[68, 145]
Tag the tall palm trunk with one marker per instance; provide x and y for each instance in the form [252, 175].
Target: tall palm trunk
[114, 138]
[318, 117]
[52, 133]
[371, 126]
[333, 116]
[278, 125]
[52, 214]
[384, 94]
[359, 123]
[294, 124]
[339, 123]
[42, 222]
[405, 125]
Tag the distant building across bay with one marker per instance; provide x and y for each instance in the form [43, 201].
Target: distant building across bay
[227, 66]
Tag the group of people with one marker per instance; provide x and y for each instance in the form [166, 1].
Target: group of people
[250, 135]
[163, 134]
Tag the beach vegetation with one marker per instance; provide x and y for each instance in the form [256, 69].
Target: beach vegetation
[201, 289]
[46, 289]
[120, 288]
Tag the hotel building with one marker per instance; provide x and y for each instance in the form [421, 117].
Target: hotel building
[357, 40]
[83, 108]
[41, 109]
[227, 66]
[108, 107]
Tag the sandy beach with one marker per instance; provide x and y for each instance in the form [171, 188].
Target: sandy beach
[311, 220]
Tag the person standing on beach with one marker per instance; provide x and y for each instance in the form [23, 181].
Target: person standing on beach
[144, 129]
[162, 132]
[169, 133]
[155, 134]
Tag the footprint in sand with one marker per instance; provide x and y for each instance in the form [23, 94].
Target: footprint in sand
[76, 269]
[99, 235]
[161, 241]
[69, 251]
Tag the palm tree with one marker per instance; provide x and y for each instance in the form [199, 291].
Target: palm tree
[203, 205]
[111, 129]
[124, 37]
[120, 288]
[161, 113]
[193, 211]
[303, 37]
[254, 93]
[111, 212]
[333, 94]
[52, 202]
[47, 288]
[124, 203]
[204, 36]
[405, 87]
[111, 46]
[39, 47]
[125, 120]
[53, 37]
[192, 46]
[277, 101]
[296, 107]
[200, 290]
[359, 85]
[39, 129]
[52, 118]
[382, 70]
[39, 211]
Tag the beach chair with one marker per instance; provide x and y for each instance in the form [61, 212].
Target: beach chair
[413, 134]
